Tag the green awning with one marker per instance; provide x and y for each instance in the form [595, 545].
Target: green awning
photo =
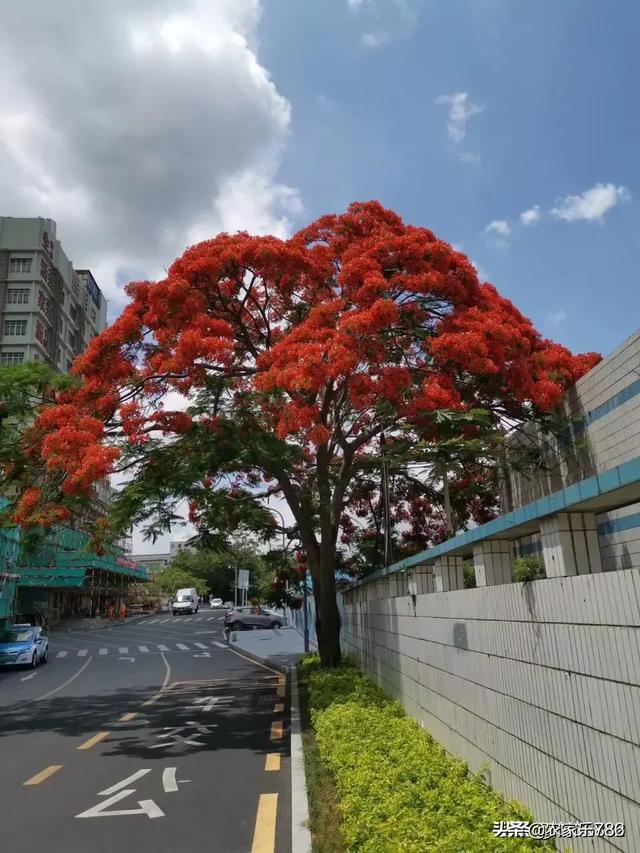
[51, 579]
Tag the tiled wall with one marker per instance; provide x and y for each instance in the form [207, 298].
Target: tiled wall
[607, 401]
[539, 681]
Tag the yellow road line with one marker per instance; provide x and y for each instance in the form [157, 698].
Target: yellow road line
[276, 730]
[94, 740]
[264, 836]
[272, 762]
[278, 708]
[126, 717]
[43, 774]
[244, 657]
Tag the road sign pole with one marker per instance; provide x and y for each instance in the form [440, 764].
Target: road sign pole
[306, 616]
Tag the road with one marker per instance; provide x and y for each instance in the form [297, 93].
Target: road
[147, 736]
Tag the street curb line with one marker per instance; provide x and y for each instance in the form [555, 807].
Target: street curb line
[300, 833]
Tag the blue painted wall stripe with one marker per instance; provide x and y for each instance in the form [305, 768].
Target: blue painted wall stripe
[617, 525]
[609, 405]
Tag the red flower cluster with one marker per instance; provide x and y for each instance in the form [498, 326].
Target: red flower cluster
[357, 317]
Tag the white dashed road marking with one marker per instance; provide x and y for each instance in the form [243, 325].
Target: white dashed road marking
[163, 648]
[200, 645]
[143, 648]
[61, 655]
[82, 653]
[103, 652]
[220, 645]
[182, 647]
[123, 650]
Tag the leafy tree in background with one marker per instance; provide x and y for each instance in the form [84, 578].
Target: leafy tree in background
[172, 579]
[296, 355]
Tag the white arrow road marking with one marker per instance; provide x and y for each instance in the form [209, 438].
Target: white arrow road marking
[203, 655]
[147, 807]
[134, 776]
[27, 677]
[131, 660]
[169, 781]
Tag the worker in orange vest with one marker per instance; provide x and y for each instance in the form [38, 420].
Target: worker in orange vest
[123, 612]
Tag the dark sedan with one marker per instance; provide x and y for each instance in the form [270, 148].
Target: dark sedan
[246, 618]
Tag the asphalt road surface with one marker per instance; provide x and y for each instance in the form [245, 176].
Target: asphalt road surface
[147, 736]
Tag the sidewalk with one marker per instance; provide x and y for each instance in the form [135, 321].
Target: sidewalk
[82, 624]
[280, 648]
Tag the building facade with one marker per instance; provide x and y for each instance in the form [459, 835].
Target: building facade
[50, 311]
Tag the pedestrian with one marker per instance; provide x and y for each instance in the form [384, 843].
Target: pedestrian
[111, 612]
[122, 613]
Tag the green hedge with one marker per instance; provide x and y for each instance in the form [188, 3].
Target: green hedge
[399, 791]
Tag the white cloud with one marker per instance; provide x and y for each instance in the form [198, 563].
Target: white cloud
[137, 125]
[591, 205]
[498, 226]
[461, 109]
[557, 317]
[468, 157]
[528, 217]
[374, 39]
[356, 5]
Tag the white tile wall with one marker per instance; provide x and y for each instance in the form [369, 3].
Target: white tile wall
[542, 683]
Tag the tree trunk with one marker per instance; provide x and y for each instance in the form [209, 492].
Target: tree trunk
[327, 613]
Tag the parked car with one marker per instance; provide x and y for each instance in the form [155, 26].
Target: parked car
[216, 602]
[246, 618]
[229, 605]
[23, 645]
[186, 601]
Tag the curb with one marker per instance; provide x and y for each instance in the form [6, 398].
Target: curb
[300, 833]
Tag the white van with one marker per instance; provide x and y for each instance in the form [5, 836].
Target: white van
[186, 601]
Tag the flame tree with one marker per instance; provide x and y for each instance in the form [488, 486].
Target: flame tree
[295, 355]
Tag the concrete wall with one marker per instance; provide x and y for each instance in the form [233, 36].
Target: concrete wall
[541, 682]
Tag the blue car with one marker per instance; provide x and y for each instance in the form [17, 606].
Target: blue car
[23, 645]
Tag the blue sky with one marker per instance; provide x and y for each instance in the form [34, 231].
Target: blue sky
[558, 84]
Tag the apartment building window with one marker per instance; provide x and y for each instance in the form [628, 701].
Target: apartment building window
[41, 333]
[18, 296]
[15, 327]
[59, 326]
[12, 358]
[20, 265]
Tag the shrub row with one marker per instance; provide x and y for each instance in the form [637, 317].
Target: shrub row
[398, 790]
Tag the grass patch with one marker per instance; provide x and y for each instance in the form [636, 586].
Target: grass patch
[325, 821]
[379, 784]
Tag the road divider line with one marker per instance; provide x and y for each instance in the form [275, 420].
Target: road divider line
[126, 717]
[94, 740]
[165, 683]
[276, 730]
[43, 774]
[61, 687]
[278, 708]
[272, 762]
[264, 836]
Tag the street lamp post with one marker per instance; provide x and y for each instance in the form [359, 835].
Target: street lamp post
[284, 549]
